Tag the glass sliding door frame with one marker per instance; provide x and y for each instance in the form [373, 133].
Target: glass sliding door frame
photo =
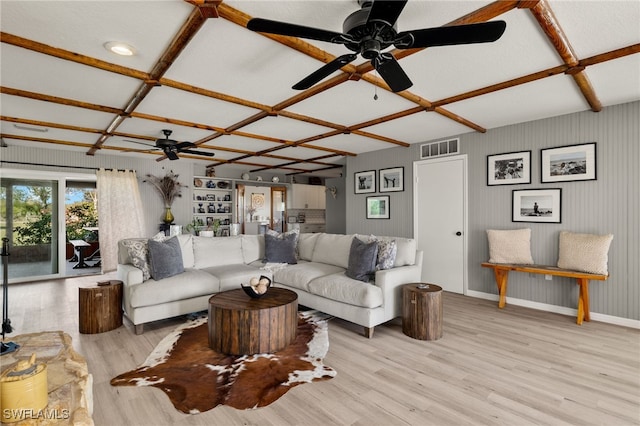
[61, 178]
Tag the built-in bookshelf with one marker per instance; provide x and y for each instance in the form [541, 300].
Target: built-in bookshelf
[213, 198]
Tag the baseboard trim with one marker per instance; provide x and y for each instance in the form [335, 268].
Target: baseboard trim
[610, 319]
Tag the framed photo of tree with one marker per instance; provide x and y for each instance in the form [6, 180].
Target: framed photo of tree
[378, 207]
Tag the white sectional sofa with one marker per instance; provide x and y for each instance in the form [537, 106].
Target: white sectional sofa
[212, 265]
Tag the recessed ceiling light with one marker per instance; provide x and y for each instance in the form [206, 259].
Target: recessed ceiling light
[119, 48]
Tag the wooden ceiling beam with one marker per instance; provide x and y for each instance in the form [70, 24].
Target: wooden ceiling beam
[29, 122]
[212, 94]
[549, 72]
[207, 8]
[335, 166]
[58, 100]
[192, 25]
[71, 56]
[315, 160]
[546, 19]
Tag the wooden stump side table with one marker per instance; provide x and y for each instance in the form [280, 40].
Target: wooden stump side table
[422, 311]
[100, 307]
[240, 325]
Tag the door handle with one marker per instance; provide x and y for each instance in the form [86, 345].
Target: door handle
[458, 233]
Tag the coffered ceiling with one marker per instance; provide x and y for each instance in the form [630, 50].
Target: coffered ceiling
[198, 71]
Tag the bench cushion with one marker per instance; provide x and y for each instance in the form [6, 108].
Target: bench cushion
[510, 246]
[584, 252]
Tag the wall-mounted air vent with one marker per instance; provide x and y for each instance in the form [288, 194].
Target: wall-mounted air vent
[440, 148]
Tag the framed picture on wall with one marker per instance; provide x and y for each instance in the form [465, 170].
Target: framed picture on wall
[537, 205]
[365, 182]
[568, 163]
[257, 200]
[509, 169]
[392, 179]
[378, 207]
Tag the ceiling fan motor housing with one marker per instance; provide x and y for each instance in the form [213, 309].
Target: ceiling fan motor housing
[369, 37]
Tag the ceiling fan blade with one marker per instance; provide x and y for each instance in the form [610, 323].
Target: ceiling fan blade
[182, 145]
[190, 151]
[294, 30]
[324, 71]
[482, 32]
[139, 143]
[391, 72]
[386, 10]
[171, 155]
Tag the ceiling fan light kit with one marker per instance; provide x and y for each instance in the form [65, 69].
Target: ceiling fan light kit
[371, 30]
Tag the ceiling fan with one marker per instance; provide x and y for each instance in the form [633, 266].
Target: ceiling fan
[372, 29]
[171, 147]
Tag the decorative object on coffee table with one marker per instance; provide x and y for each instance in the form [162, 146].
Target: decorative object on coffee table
[245, 326]
[257, 286]
[100, 307]
[422, 311]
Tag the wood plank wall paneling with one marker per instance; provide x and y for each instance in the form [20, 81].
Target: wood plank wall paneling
[610, 204]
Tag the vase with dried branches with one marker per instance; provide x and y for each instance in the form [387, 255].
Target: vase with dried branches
[169, 188]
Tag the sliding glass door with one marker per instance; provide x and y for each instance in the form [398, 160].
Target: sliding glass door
[29, 212]
[32, 217]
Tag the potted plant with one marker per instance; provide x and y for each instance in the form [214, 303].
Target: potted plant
[196, 226]
[216, 227]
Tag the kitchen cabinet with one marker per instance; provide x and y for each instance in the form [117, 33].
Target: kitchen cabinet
[307, 197]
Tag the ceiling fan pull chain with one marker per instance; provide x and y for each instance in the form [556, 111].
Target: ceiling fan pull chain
[375, 88]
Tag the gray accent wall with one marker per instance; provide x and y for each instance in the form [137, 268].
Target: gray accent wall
[610, 204]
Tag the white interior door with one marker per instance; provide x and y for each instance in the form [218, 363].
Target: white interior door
[440, 218]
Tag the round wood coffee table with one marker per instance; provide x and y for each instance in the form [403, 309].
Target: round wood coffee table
[240, 325]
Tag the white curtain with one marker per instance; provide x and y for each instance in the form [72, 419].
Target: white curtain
[120, 213]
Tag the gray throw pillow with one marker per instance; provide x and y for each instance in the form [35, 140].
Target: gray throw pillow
[362, 260]
[280, 250]
[165, 258]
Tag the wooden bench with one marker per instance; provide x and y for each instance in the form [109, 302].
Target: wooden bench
[501, 271]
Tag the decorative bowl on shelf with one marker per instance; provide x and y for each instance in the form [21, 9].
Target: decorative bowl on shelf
[223, 184]
[257, 287]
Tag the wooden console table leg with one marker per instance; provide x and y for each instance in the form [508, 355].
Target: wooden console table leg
[502, 277]
[583, 301]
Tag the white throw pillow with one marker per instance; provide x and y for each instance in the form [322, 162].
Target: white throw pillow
[584, 252]
[510, 246]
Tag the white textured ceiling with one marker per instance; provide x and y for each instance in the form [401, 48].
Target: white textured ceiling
[227, 74]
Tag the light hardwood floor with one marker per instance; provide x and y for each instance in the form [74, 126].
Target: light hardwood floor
[514, 366]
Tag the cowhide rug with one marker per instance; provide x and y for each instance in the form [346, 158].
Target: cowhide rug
[197, 379]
